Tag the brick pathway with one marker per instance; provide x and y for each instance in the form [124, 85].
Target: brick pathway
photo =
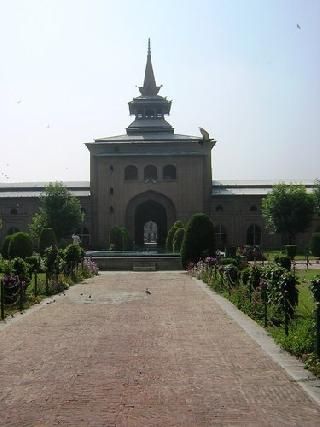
[123, 358]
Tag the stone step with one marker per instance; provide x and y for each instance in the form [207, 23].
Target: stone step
[147, 267]
[131, 263]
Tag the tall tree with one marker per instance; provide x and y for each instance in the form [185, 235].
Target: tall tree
[59, 210]
[288, 210]
[316, 195]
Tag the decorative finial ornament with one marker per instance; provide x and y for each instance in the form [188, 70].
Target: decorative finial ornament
[149, 87]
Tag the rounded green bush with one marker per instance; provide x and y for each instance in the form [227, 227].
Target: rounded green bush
[171, 233]
[198, 241]
[178, 239]
[20, 245]
[315, 244]
[47, 239]
[5, 246]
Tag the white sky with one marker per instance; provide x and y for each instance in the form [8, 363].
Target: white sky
[243, 70]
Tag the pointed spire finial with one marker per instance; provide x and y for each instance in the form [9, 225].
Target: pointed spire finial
[149, 87]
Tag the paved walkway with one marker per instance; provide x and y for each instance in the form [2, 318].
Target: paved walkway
[108, 354]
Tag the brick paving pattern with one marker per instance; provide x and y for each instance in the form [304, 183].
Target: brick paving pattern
[107, 354]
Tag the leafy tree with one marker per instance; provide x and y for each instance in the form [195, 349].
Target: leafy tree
[59, 210]
[20, 245]
[316, 195]
[288, 210]
[199, 239]
[38, 223]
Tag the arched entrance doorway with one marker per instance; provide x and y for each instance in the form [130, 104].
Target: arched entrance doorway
[150, 232]
[146, 208]
[146, 212]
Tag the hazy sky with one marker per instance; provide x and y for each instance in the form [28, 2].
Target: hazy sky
[241, 69]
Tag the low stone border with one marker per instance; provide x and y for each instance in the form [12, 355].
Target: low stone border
[294, 368]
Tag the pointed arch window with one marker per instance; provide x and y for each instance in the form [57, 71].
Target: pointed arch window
[131, 173]
[150, 173]
[169, 172]
[254, 235]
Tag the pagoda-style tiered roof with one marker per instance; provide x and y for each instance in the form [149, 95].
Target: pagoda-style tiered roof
[149, 108]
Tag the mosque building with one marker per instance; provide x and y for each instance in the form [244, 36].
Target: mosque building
[148, 178]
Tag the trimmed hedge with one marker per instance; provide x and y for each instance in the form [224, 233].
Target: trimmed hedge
[5, 246]
[199, 239]
[20, 245]
[171, 233]
[178, 239]
[315, 244]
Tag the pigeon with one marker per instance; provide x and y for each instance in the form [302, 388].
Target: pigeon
[147, 291]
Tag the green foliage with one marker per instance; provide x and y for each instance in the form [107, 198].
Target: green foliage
[38, 223]
[315, 288]
[232, 261]
[288, 210]
[53, 260]
[178, 239]
[283, 261]
[5, 246]
[291, 251]
[59, 210]
[119, 239]
[300, 341]
[5, 266]
[33, 263]
[171, 233]
[316, 196]
[315, 244]
[255, 274]
[21, 269]
[72, 255]
[245, 276]
[282, 289]
[20, 245]
[125, 239]
[199, 239]
[232, 274]
[47, 239]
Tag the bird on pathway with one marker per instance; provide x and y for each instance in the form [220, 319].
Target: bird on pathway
[147, 291]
